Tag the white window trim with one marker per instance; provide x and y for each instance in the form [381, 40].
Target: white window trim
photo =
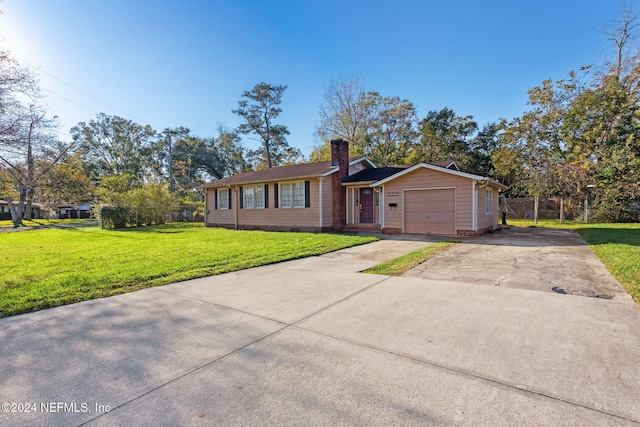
[249, 202]
[226, 200]
[292, 184]
[488, 209]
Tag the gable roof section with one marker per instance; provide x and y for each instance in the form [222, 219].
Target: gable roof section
[354, 160]
[489, 181]
[447, 164]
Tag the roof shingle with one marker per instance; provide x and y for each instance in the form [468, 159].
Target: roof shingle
[373, 174]
[303, 170]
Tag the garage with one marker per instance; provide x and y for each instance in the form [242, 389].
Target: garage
[430, 211]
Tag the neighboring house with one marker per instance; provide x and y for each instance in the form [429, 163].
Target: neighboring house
[5, 213]
[353, 194]
[82, 210]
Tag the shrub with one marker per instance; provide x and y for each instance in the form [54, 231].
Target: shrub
[147, 205]
[612, 205]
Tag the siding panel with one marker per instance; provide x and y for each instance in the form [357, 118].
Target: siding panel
[486, 220]
[327, 201]
[218, 216]
[284, 217]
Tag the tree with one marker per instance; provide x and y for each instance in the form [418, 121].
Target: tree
[259, 110]
[17, 86]
[192, 160]
[322, 152]
[67, 183]
[380, 127]
[145, 205]
[548, 149]
[579, 135]
[508, 169]
[343, 114]
[391, 129]
[28, 147]
[26, 138]
[231, 151]
[481, 149]
[615, 126]
[444, 136]
[112, 145]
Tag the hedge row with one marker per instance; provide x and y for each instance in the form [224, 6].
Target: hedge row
[131, 216]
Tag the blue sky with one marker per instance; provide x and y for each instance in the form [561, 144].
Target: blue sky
[186, 62]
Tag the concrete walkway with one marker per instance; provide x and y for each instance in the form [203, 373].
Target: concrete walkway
[314, 342]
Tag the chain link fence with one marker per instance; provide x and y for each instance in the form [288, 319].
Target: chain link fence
[143, 216]
[568, 208]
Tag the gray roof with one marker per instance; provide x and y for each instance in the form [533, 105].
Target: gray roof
[373, 174]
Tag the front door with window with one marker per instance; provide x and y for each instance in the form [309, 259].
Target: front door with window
[366, 205]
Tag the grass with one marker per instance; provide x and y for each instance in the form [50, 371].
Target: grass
[6, 223]
[397, 266]
[52, 267]
[551, 223]
[617, 246]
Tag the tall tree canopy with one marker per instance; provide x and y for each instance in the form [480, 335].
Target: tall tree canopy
[259, 109]
[29, 148]
[193, 160]
[390, 129]
[581, 136]
[343, 111]
[380, 127]
[112, 145]
[444, 136]
[68, 183]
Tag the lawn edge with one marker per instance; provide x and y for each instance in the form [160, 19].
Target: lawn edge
[397, 266]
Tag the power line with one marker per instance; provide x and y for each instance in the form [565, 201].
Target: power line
[39, 69]
[63, 134]
[69, 100]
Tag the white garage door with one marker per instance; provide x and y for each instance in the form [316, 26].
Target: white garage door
[430, 211]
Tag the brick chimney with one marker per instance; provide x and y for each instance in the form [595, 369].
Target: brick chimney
[340, 158]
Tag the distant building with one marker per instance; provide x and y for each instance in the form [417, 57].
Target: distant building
[5, 213]
[82, 210]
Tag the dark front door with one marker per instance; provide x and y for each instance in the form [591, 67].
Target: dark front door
[366, 205]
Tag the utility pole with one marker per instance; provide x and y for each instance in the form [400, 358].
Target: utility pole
[171, 187]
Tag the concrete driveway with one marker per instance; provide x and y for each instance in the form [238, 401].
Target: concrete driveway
[540, 259]
[314, 342]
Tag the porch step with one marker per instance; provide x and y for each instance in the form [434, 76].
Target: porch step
[361, 227]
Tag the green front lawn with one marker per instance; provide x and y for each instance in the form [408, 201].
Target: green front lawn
[6, 223]
[617, 246]
[52, 267]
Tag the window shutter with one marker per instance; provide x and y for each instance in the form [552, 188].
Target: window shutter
[275, 196]
[266, 196]
[307, 195]
[229, 193]
[215, 197]
[241, 199]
